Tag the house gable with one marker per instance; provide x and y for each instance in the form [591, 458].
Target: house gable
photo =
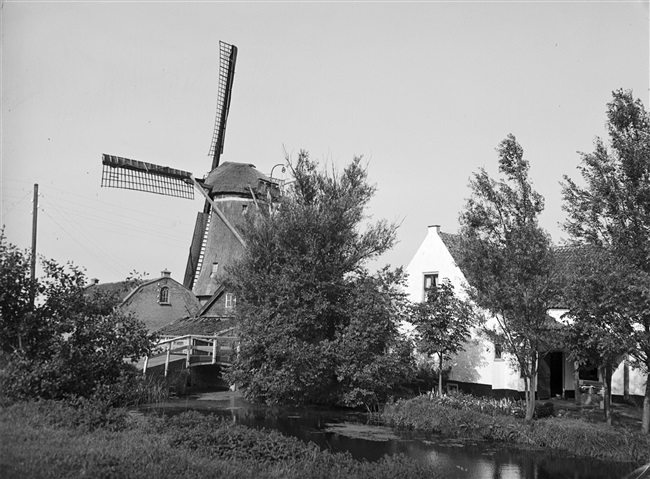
[434, 256]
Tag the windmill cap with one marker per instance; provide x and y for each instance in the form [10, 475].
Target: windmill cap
[234, 178]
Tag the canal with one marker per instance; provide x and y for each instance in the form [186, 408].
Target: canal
[356, 433]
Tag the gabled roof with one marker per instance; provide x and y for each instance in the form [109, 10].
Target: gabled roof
[452, 242]
[121, 289]
[147, 283]
[568, 258]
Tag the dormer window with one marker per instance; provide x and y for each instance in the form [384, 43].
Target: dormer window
[215, 270]
[164, 295]
[244, 209]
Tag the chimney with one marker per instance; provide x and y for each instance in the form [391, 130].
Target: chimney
[94, 281]
[165, 274]
[437, 227]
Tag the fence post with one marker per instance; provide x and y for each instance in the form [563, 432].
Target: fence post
[189, 352]
[215, 350]
[146, 362]
[169, 351]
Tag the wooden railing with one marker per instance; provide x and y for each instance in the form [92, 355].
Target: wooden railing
[198, 350]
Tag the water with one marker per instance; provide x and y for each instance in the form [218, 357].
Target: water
[353, 432]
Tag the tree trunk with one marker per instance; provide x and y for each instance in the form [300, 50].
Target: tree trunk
[607, 394]
[530, 394]
[576, 382]
[440, 374]
[530, 399]
[645, 422]
[626, 378]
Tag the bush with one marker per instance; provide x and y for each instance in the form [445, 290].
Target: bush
[64, 342]
[219, 438]
[464, 416]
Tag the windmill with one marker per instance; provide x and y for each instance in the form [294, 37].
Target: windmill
[230, 190]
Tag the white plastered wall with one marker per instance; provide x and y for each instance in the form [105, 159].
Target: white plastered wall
[476, 364]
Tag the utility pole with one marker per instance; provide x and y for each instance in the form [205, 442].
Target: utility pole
[33, 258]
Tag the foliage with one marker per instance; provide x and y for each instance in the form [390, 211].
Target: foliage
[507, 259]
[66, 343]
[15, 281]
[52, 439]
[443, 323]
[219, 438]
[465, 416]
[610, 214]
[315, 326]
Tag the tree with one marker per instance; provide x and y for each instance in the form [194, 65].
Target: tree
[443, 324]
[66, 343]
[315, 326]
[15, 305]
[596, 335]
[507, 259]
[373, 359]
[611, 214]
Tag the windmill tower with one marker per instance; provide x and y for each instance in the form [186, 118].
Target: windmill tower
[230, 191]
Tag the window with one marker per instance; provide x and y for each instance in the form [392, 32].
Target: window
[244, 209]
[164, 295]
[590, 374]
[498, 351]
[230, 300]
[430, 282]
[215, 269]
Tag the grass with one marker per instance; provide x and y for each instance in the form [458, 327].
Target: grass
[50, 439]
[491, 420]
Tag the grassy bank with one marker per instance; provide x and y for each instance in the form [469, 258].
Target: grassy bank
[491, 420]
[55, 440]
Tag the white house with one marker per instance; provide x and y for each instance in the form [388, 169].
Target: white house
[481, 368]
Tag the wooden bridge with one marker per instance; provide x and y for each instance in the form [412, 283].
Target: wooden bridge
[192, 349]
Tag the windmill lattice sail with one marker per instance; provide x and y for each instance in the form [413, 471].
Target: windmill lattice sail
[227, 59]
[118, 172]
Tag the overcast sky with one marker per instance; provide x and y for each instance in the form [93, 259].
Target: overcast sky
[424, 91]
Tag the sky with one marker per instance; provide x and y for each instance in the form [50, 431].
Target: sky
[424, 91]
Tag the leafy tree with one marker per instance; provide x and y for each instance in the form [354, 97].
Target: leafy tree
[443, 324]
[611, 214]
[66, 344]
[372, 358]
[315, 326]
[15, 306]
[596, 335]
[507, 259]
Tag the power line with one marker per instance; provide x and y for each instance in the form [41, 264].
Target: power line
[16, 204]
[98, 258]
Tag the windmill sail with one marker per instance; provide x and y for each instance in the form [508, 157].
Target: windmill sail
[227, 59]
[118, 172]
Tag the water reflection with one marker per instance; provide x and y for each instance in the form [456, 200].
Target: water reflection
[338, 431]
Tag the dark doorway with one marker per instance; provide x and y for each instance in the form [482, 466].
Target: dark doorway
[556, 364]
[550, 378]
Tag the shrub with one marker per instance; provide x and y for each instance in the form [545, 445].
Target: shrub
[58, 341]
[219, 438]
[463, 416]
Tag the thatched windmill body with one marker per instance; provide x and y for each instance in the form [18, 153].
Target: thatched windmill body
[230, 190]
